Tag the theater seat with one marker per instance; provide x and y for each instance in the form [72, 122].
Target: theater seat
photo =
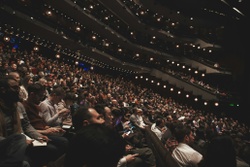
[162, 155]
[57, 163]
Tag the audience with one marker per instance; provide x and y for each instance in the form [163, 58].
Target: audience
[49, 108]
[106, 112]
[159, 127]
[134, 156]
[220, 152]
[12, 143]
[66, 103]
[55, 140]
[95, 145]
[184, 154]
[36, 93]
[52, 150]
[133, 135]
[137, 119]
[85, 116]
[93, 89]
[23, 87]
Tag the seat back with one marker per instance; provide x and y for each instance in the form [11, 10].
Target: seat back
[162, 155]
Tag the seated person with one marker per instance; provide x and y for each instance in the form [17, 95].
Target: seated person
[36, 93]
[184, 154]
[67, 103]
[12, 143]
[42, 154]
[134, 156]
[221, 151]
[131, 133]
[59, 143]
[170, 144]
[49, 108]
[137, 118]
[94, 146]
[159, 127]
[85, 116]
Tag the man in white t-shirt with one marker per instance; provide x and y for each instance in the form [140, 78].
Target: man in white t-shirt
[184, 154]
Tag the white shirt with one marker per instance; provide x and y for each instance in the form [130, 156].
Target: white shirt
[122, 162]
[23, 93]
[140, 121]
[156, 130]
[49, 113]
[186, 155]
[137, 120]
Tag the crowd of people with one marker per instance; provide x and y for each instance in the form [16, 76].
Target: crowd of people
[104, 118]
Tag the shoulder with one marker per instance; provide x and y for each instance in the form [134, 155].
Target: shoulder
[153, 126]
[20, 106]
[132, 116]
[44, 103]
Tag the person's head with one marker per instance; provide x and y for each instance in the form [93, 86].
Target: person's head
[9, 90]
[221, 152]
[16, 76]
[36, 93]
[126, 115]
[69, 98]
[160, 122]
[184, 134]
[43, 81]
[13, 66]
[116, 112]
[49, 83]
[105, 111]
[137, 111]
[152, 112]
[85, 116]
[169, 118]
[95, 145]
[27, 80]
[57, 94]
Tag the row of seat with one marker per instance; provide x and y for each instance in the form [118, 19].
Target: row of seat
[162, 155]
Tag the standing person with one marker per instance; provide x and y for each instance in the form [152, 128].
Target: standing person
[49, 108]
[184, 154]
[12, 143]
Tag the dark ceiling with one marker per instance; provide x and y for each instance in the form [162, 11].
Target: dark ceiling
[200, 8]
[210, 24]
[208, 17]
